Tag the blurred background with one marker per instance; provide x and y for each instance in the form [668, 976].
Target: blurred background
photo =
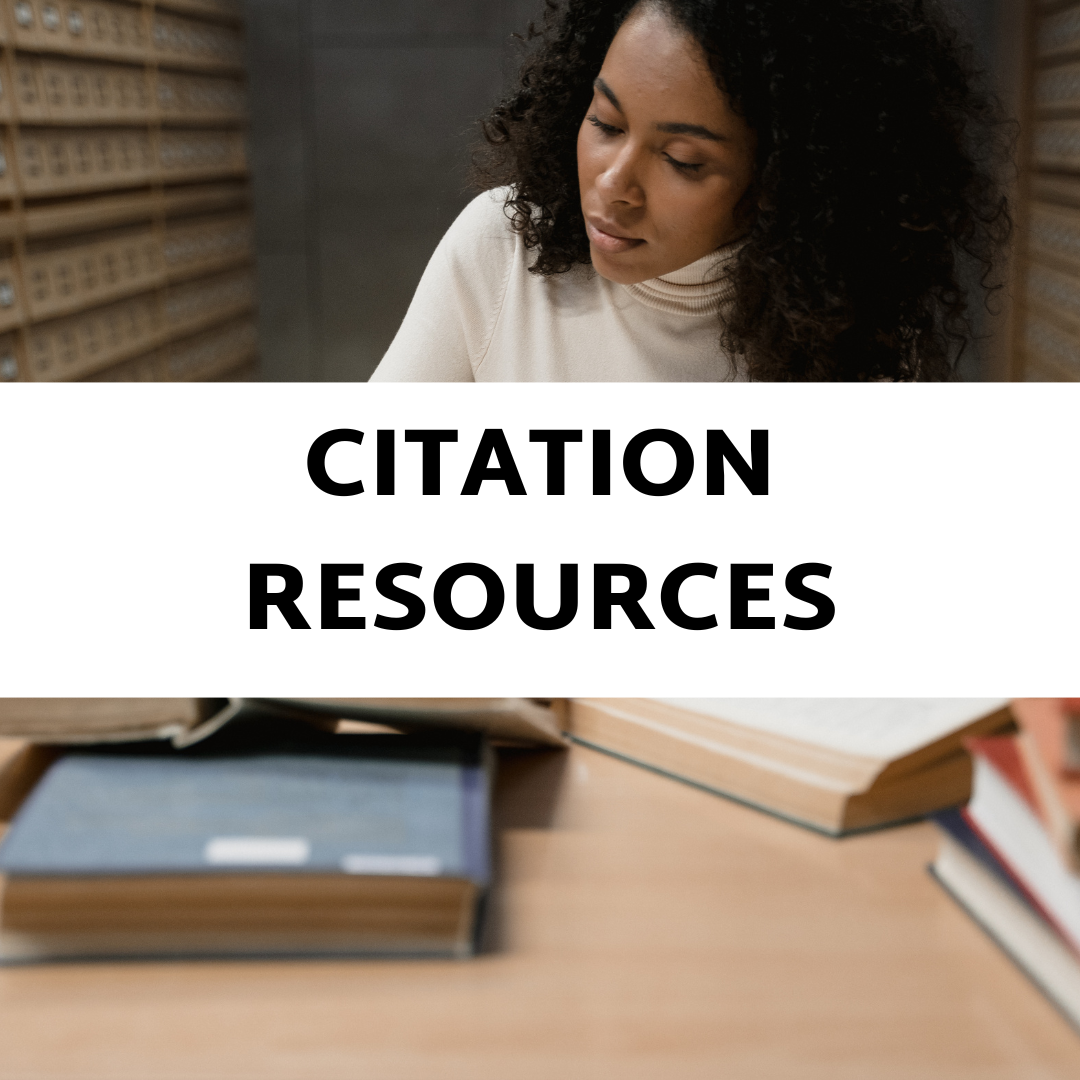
[362, 117]
[224, 189]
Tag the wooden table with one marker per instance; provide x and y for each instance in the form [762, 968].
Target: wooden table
[640, 929]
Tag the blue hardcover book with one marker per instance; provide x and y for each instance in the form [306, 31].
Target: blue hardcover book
[264, 840]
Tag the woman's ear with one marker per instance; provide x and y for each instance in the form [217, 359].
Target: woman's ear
[749, 206]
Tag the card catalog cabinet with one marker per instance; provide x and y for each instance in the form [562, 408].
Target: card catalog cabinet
[126, 249]
[1046, 346]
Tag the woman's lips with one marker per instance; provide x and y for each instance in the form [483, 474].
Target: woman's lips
[608, 242]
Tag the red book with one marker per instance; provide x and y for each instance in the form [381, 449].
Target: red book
[1045, 725]
[1004, 812]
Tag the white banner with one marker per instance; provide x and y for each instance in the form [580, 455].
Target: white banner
[905, 540]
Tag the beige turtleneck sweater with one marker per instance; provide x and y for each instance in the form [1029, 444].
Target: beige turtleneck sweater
[478, 314]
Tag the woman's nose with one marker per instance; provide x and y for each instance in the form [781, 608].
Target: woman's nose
[620, 181]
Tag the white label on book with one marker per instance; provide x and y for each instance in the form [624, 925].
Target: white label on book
[257, 851]
[408, 865]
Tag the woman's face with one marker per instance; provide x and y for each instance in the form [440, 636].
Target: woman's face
[662, 159]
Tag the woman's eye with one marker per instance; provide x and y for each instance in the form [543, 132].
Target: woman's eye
[683, 166]
[607, 129]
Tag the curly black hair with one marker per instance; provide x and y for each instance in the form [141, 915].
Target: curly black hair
[878, 188]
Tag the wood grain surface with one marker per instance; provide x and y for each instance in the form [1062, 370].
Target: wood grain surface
[640, 929]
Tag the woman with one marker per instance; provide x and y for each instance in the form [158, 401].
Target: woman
[718, 189]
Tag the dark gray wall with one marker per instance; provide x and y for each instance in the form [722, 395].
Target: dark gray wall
[362, 115]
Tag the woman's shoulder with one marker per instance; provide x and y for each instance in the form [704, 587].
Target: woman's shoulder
[482, 221]
[448, 327]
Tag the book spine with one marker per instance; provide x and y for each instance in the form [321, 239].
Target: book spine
[1059, 823]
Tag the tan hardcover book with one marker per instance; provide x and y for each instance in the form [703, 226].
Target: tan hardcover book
[504, 720]
[187, 720]
[78, 720]
[836, 765]
[1045, 729]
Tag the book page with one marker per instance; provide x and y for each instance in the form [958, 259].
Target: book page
[886, 728]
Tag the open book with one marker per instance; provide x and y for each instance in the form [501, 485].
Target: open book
[189, 720]
[837, 765]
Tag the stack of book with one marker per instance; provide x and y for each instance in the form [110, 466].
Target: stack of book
[1011, 857]
[203, 827]
[231, 827]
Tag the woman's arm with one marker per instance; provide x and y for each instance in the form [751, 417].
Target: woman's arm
[449, 324]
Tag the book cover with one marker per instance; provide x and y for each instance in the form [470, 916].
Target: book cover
[288, 818]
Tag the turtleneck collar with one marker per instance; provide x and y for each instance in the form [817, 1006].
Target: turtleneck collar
[698, 289]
